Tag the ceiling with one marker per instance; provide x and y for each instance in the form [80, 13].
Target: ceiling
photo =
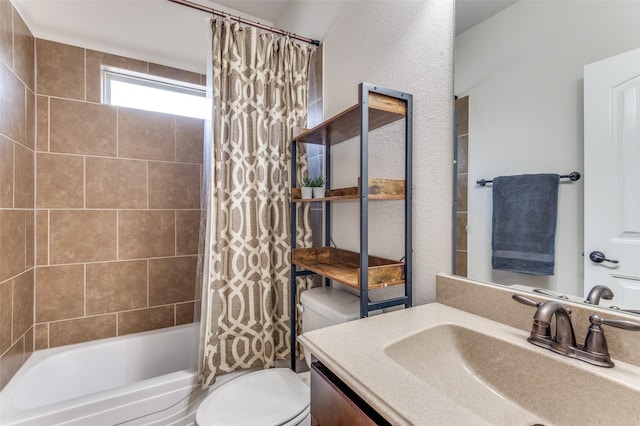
[170, 34]
[471, 12]
[468, 12]
[266, 10]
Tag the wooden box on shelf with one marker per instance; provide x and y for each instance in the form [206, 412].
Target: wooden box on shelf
[344, 266]
[379, 189]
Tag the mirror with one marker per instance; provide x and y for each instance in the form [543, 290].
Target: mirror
[520, 73]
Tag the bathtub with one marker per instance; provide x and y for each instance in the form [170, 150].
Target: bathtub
[146, 378]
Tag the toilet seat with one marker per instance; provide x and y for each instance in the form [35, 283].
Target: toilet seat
[270, 397]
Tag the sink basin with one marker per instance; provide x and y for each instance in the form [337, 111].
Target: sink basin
[506, 381]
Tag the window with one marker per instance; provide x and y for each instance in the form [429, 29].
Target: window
[151, 93]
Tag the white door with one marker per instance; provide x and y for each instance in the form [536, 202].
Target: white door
[612, 176]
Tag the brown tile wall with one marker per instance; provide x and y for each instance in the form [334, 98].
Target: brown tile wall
[462, 108]
[117, 204]
[17, 175]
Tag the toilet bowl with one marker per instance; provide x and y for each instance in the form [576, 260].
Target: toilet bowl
[275, 396]
[278, 396]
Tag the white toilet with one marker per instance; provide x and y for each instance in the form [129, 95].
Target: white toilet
[277, 396]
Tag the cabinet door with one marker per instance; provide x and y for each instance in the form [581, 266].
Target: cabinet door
[334, 404]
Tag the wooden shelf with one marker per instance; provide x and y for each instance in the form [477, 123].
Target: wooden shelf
[344, 266]
[379, 189]
[376, 107]
[346, 125]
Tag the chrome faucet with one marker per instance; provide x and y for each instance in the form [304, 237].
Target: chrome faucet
[594, 350]
[597, 292]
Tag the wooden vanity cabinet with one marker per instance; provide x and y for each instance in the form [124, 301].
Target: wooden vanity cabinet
[333, 403]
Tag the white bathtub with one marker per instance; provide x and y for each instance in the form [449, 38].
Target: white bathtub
[140, 379]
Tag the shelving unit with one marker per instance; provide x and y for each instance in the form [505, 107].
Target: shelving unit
[377, 107]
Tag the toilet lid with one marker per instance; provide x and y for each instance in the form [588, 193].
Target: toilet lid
[266, 397]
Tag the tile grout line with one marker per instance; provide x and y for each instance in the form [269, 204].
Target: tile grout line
[13, 178]
[84, 296]
[84, 53]
[75, 154]
[116, 313]
[48, 237]
[13, 42]
[48, 124]
[147, 283]
[117, 235]
[26, 246]
[137, 259]
[117, 132]
[11, 342]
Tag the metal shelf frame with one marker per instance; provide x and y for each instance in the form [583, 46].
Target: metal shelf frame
[365, 89]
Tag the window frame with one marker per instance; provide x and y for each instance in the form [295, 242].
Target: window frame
[109, 74]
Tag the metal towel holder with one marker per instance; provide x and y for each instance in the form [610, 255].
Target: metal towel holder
[573, 176]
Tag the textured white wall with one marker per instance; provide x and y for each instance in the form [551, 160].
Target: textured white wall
[523, 72]
[407, 46]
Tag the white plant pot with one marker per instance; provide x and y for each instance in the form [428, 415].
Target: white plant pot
[307, 192]
[318, 192]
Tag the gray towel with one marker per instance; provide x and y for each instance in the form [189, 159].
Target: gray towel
[525, 213]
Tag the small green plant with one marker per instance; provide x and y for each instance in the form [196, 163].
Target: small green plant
[316, 182]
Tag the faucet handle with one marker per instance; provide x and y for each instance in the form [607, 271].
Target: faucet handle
[595, 342]
[529, 302]
[525, 301]
[624, 324]
[550, 293]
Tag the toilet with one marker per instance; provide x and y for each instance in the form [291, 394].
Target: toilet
[278, 396]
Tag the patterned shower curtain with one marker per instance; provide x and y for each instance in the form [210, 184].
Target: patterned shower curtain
[258, 83]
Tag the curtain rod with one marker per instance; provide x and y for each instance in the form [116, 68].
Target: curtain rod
[244, 21]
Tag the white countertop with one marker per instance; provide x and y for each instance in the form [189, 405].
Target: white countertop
[355, 352]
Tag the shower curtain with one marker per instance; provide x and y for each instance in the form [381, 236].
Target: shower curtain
[258, 83]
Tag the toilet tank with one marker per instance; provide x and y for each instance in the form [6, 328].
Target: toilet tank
[325, 306]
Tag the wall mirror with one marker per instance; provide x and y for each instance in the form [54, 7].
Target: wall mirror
[519, 82]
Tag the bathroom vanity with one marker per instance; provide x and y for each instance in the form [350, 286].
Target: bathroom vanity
[441, 365]
[335, 403]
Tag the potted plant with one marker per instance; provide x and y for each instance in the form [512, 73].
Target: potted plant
[318, 187]
[306, 189]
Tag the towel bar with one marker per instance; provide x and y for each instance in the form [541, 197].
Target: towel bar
[573, 176]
